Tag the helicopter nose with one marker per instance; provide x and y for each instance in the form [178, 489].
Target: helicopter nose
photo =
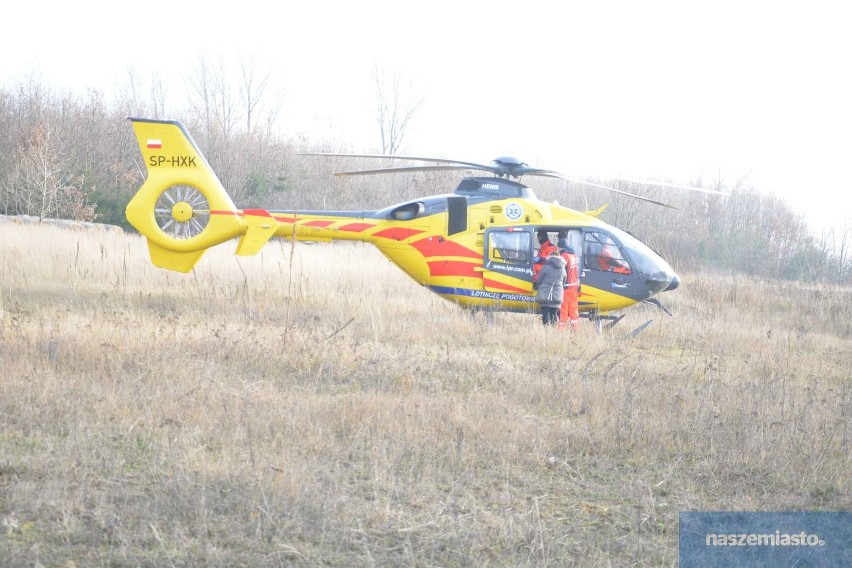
[662, 281]
[674, 283]
[658, 282]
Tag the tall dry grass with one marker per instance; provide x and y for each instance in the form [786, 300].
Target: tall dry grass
[312, 406]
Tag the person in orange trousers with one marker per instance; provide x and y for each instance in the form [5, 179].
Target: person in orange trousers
[568, 311]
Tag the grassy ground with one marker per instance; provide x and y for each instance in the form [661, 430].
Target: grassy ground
[311, 406]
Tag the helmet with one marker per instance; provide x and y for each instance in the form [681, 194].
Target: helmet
[542, 236]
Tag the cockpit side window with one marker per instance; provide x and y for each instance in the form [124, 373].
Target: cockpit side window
[509, 247]
[602, 253]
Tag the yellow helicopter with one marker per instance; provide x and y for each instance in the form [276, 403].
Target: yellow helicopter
[475, 247]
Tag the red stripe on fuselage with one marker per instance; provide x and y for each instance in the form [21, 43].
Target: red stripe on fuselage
[356, 227]
[321, 224]
[284, 219]
[257, 212]
[439, 246]
[397, 233]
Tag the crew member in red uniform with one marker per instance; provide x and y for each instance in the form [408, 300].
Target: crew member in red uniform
[569, 313]
[544, 250]
[608, 262]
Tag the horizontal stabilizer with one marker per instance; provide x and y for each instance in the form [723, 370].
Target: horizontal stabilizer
[261, 227]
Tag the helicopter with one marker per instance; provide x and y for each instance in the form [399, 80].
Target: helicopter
[474, 247]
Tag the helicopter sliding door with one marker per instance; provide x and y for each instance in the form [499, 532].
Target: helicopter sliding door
[508, 260]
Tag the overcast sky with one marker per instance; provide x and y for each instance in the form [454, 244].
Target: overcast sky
[670, 90]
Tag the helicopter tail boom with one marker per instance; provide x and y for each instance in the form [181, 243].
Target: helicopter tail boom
[182, 209]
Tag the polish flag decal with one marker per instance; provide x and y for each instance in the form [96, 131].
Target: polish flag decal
[155, 143]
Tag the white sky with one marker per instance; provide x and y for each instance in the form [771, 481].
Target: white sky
[664, 89]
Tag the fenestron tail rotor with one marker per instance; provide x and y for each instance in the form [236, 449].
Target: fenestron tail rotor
[182, 211]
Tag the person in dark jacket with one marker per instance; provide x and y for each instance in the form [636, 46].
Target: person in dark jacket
[548, 285]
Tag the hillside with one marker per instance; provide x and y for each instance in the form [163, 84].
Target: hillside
[312, 406]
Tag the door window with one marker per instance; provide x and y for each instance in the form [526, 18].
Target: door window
[509, 247]
[602, 253]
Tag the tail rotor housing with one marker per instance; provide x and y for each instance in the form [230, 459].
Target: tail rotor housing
[182, 208]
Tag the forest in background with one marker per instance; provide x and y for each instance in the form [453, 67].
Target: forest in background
[74, 156]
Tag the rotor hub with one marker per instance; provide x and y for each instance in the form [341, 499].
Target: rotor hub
[182, 212]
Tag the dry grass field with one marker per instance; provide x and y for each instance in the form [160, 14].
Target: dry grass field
[311, 406]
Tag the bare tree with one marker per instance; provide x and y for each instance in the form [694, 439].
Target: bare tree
[844, 263]
[131, 99]
[43, 184]
[396, 104]
[212, 98]
[254, 88]
[822, 254]
[158, 96]
[128, 94]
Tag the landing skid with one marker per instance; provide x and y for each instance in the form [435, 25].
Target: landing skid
[598, 321]
[637, 331]
[656, 302]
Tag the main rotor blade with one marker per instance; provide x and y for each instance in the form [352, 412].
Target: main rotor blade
[395, 157]
[497, 167]
[665, 184]
[546, 173]
[537, 172]
[513, 170]
[413, 169]
[619, 191]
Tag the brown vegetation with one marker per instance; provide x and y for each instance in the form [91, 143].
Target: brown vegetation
[312, 406]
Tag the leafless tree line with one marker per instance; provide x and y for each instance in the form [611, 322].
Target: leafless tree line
[74, 156]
